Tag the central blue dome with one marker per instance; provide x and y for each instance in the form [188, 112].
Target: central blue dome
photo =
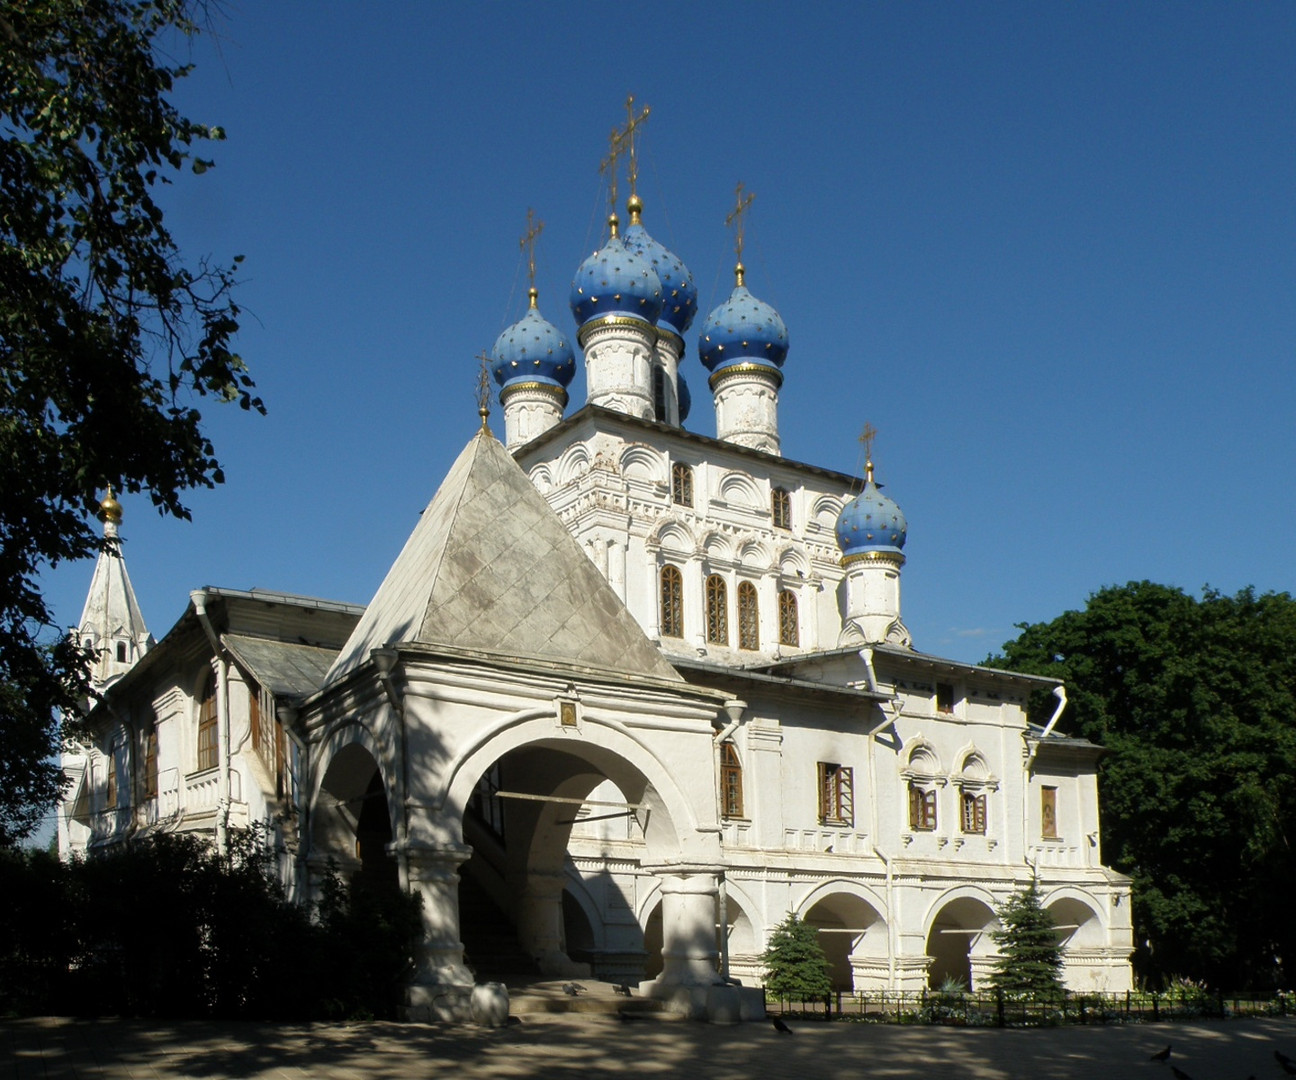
[743, 330]
[871, 522]
[679, 294]
[532, 350]
[616, 281]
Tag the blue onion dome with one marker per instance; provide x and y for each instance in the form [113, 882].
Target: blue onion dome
[679, 294]
[743, 330]
[616, 281]
[871, 522]
[683, 396]
[533, 350]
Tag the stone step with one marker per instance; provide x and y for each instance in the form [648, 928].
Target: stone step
[598, 999]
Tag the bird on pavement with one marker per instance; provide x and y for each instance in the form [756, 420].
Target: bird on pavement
[572, 989]
[779, 1026]
[1288, 1066]
[622, 989]
[1161, 1055]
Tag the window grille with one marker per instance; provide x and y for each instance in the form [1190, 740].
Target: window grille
[731, 787]
[748, 617]
[781, 508]
[672, 602]
[836, 794]
[208, 733]
[974, 812]
[681, 484]
[789, 623]
[717, 610]
[922, 808]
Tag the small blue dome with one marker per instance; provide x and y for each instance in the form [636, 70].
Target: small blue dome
[679, 294]
[683, 396]
[616, 281]
[870, 522]
[743, 330]
[532, 350]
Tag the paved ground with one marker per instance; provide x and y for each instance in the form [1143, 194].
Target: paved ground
[592, 1047]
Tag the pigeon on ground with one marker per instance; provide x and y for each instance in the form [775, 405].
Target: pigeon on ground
[572, 989]
[779, 1026]
[1161, 1055]
[622, 989]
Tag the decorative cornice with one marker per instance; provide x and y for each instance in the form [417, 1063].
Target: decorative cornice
[556, 392]
[772, 374]
[890, 558]
[609, 322]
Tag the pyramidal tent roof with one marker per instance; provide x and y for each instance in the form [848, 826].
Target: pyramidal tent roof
[491, 568]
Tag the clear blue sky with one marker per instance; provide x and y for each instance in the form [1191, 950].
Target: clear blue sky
[1047, 250]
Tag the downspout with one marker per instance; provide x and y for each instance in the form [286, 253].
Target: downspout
[1059, 692]
[734, 708]
[874, 825]
[199, 600]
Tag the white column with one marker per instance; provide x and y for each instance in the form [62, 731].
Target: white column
[746, 404]
[619, 354]
[690, 956]
[530, 409]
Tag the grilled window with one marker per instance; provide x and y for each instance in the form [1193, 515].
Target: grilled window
[208, 734]
[922, 808]
[672, 602]
[836, 794]
[781, 508]
[974, 813]
[789, 623]
[659, 394]
[717, 610]
[681, 484]
[731, 788]
[150, 777]
[748, 617]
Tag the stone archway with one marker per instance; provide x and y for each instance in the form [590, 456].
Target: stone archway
[1083, 938]
[351, 821]
[959, 946]
[852, 934]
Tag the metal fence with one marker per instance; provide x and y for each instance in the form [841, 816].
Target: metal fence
[995, 1009]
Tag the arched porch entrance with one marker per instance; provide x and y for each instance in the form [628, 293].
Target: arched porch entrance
[853, 936]
[959, 945]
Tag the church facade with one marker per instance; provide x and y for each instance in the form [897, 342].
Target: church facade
[628, 696]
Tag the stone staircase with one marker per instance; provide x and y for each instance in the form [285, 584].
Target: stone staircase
[597, 998]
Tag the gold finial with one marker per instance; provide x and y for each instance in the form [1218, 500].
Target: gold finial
[534, 294]
[483, 389]
[866, 437]
[735, 218]
[110, 511]
[635, 205]
[527, 243]
[613, 224]
[621, 141]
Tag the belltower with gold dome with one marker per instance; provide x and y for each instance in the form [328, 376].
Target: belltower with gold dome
[111, 623]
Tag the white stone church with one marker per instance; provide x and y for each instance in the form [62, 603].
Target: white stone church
[628, 696]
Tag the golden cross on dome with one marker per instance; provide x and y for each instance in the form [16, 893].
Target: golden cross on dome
[866, 437]
[527, 243]
[735, 218]
[628, 135]
[483, 388]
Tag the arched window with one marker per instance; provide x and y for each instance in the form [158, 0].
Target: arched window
[208, 735]
[681, 484]
[672, 602]
[781, 508]
[748, 617]
[717, 611]
[731, 792]
[121, 652]
[789, 623]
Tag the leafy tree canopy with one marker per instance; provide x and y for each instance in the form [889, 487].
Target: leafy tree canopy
[1030, 958]
[107, 336]
[1195, 700]
[795, 964]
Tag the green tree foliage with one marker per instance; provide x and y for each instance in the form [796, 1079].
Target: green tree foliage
[107, 337]
[1195, 701]
[166, 927]
[1030, 958]
[795, 965]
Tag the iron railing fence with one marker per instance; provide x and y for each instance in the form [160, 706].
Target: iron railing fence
[989, 1008]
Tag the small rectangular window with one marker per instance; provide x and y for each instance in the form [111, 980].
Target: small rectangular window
[1048, 813]
[922, 809]
[944, 698]
[681, 484]
[781, 508]
[110, 787]
[974, 813]
[836, 794]
[731, 792]
[150, 763]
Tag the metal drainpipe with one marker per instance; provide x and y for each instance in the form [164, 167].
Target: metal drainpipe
[735, 710]
[199, 600]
